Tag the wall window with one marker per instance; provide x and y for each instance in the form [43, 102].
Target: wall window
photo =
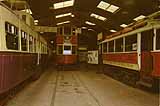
[119, 45]
[74, 49]
[24, 41]
[11, 36]
[111, 46]
[158, 40]
[105, 47]
[147, 40]
[131, 43]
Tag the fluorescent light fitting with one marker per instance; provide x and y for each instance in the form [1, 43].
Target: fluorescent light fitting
[98, 17]
[63, 15]
[65, 22]
[90, 23]
[107, 7]
[63, 4]
[123, 25]
[112, 8]
[139, 17]
[113, 30]
[103, 5]
[36, 21]
[84, 27]
[90, 30]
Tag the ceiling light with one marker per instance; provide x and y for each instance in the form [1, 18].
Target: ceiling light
[84, 27]
[90, 30]
[52, 41]
[90, 23]
[113, 30]
[123, 25]
[63, 15]
[139, 17]
[36, 21]
[63, 22]
[112, 8]
[63, 4]
[72, 15]
[98, 17]
[103, 5]
[107, 7]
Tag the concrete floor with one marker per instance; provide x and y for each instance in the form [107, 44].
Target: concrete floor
[81, 88]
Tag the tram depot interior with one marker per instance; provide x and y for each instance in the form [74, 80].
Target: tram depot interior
[79, 52]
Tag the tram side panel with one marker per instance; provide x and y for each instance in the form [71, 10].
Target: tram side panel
[16, 60]
[137, 50]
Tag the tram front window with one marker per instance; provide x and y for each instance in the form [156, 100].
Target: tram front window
[67, 30]
[67, 50]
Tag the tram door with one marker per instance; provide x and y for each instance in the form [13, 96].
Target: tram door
[146, 48]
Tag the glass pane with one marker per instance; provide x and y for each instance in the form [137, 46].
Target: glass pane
[147, 40]
[131, 43]
[73, 49]
[119, 45]
[111, 46]
[67, 47]
[24, 41]
[67, 30]
[105, 47]
[158, 40]
[11, 36]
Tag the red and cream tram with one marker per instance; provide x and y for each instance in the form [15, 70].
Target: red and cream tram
[21, 48]
[136, 48]
[66, 45]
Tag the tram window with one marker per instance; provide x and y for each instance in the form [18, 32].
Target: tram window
[147, 40]
[111, 46]
[73, 49]
[24, 41]
[30, 43]
[73, 31]
[11, 36]
[35, 42]
[158, 39]
[105, 47]
[100, 49]
[67, 50]
[60, 49]
[60, 30]
[119, 45]
[67, 30]
[131, 43]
